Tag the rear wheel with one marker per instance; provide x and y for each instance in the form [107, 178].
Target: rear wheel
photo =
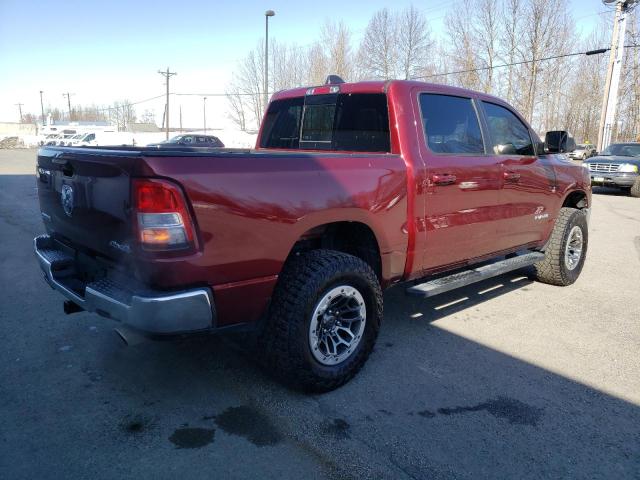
[323, 321]
[635, 189]
[566, 249]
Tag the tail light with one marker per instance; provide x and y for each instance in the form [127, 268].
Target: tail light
[163, 219]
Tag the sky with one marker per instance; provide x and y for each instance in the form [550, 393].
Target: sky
[111, 50]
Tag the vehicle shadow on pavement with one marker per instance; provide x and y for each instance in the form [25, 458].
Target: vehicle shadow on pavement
[461, 299]
[429, 404]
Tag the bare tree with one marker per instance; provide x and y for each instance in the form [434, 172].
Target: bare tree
[122, 114]
[238, 107]
[336, 38]
[463, 53]
[378, 50]
[509, 40]
[413, 42]
[148, 116]
[486, 36]
[546, 22]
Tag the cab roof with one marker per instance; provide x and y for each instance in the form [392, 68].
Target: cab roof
[382, 86]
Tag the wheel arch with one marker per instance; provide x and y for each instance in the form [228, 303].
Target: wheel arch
[576, 199]
[348, 236]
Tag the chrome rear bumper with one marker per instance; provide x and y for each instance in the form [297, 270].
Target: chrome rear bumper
[143, 309]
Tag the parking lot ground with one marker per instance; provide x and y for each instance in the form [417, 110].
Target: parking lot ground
[508, 378]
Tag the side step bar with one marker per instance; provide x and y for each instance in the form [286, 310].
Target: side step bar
[467, 277]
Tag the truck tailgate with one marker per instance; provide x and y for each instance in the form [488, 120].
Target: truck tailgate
[85, 198]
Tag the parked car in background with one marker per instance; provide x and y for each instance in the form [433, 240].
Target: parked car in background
[51, 139]
[65, 139]
[352, 188]
[190, 141]
[618, 165]
[583, 151]
[73, 140]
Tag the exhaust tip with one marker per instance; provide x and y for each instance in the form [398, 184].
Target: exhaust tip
[121, 336]
[129, 337]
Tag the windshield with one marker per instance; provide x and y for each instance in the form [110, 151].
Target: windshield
[180, 139]
[623, 150]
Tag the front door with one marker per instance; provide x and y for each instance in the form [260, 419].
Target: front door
[528, 194]
[463, 183]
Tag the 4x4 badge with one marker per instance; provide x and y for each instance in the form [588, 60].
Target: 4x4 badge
[66, 197]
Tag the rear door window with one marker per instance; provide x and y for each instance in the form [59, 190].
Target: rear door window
[509, 136]
[343, 122]
[451, 124]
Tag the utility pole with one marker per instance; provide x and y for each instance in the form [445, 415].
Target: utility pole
[612, 84]
[267, 14]
[204, 111]
[19, 105]
[42, 108]
[167, 75]
[68, 95]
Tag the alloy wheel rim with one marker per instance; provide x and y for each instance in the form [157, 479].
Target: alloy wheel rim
[574, 247]
[337, 325]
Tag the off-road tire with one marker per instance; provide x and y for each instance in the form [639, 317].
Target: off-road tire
[635, 188]
[284, 341]
[553, 269]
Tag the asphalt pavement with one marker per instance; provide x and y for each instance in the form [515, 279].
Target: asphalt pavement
[508, 378]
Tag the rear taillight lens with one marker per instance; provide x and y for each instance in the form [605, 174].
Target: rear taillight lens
[162, 217]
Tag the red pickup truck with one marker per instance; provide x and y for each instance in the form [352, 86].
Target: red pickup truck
[351, 188]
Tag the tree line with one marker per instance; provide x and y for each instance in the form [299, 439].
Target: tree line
[496, 46]
[121, 114]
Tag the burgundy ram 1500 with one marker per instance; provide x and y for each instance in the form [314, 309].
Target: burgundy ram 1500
[351, 188]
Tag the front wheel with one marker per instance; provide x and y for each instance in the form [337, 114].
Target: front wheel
[323, 321]
[566, 249]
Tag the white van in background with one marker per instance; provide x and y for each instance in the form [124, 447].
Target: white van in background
[106, 139]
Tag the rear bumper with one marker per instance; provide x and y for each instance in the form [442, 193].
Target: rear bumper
[613, 179]
[143, 309]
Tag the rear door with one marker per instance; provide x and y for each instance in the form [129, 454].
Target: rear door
[463, 182]
[528, 193]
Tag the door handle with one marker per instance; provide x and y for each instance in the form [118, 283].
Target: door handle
[511, 176]
[443, 179]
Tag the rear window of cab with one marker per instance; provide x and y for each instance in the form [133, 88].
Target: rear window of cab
[356, 122]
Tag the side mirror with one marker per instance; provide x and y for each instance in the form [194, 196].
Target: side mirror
[559, 141]
[506, 149]
[540, 149]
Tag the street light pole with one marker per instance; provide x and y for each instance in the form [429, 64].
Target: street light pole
[204, 112]
[42, 108]
[267, 14]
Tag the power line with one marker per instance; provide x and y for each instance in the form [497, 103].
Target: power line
[253, 94]
[523, 62]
